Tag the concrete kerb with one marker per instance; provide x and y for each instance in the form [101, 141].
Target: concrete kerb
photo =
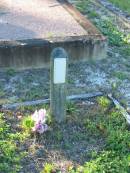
[35, 53]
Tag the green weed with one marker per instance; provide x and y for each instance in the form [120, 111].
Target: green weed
[71, 108]
[93, 14]
[10, 155]
[27, 123]
[120, 75]
[10, 72]
[115, 37]
[82, 5]
[125, 51]
[104, 102]
[2, 92]
[48, 168]
[33, 93]
[115, 157]
[122, 4]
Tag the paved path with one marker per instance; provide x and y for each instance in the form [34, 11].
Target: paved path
[30, 19]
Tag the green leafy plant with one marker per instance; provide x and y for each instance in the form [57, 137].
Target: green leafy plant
[120, 75]
[91, 126]
[10, 72]
[118, 141]
[104, 102]
[115, 157]
[93, 14]
[27, 123]
[125, 51]
[71, 108]
[10, 155]
[82, 5]
[36, 122]
[122, 4]
[48, 168]
[107, 162]
[115, 37]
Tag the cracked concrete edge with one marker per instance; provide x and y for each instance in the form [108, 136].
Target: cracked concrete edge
[37, 42]
[21, 54]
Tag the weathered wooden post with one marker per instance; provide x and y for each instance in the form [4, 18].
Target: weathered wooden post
[58, 84]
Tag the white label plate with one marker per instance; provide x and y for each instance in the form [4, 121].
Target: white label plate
[59, 70]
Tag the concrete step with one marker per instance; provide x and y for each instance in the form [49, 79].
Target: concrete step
[29, 30]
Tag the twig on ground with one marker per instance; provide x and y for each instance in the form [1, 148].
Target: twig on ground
[121, 108]
[47, 101]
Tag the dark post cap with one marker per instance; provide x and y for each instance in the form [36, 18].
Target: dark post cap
[59, 52]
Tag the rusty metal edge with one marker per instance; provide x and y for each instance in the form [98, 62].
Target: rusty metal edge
[82, 20]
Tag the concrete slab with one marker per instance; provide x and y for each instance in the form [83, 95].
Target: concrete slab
[36, 19]
[30, 29]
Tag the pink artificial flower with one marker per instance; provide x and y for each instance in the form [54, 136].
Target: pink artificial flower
[42, 115]
[39, 116]
[35, 116]
[40, 128]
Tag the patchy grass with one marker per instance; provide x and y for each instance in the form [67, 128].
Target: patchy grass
[125, 51]
[10, 72]
[120, 75]
[82, 5]
[106, 26]
[104, 102]
[114, 35]
[91, 140]
[11, 139]
[2, 93]
[122, 4]
[92, 14]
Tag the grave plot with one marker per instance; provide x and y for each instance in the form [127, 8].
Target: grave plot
[30, 30]
[65, 137]
[95, 137]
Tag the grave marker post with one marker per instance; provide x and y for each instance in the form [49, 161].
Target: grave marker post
[58, 73]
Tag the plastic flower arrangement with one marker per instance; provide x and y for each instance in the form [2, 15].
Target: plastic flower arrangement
[39, 118]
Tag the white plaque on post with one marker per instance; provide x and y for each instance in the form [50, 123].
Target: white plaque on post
[59, 70]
